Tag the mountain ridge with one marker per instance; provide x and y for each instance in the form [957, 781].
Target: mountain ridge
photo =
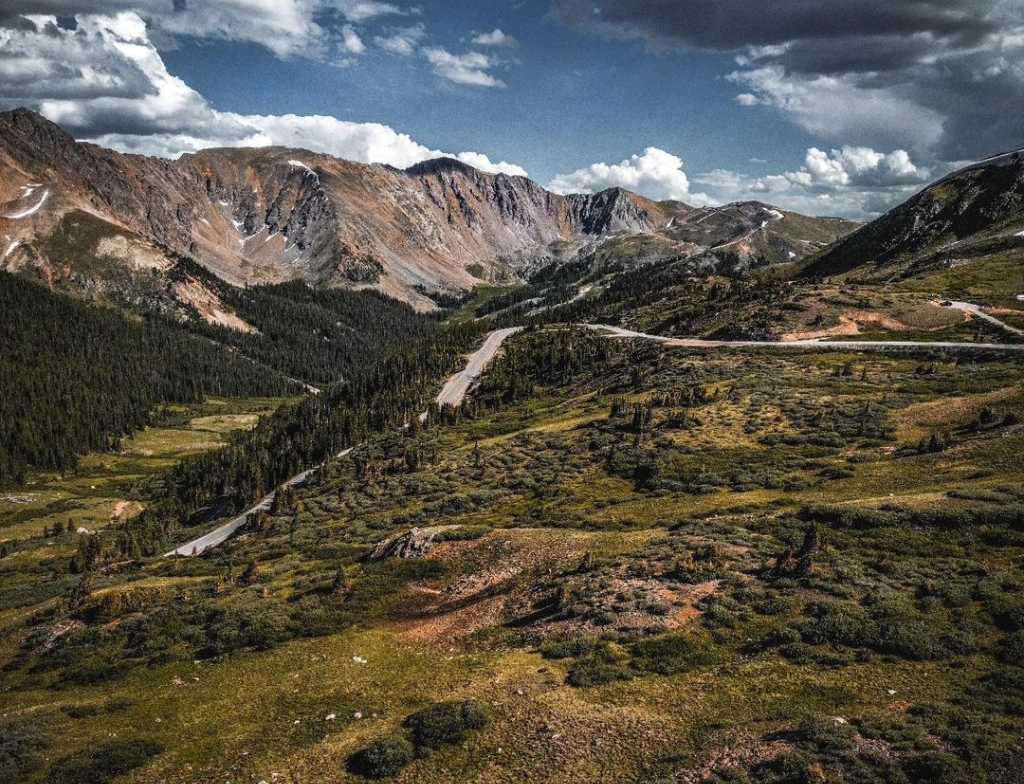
[975, 210]
[263, 215]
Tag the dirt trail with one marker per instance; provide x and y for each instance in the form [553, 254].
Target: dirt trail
[849, 324]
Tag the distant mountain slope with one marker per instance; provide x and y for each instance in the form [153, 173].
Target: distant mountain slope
[978, 209]
[754, 231]
[273, 214]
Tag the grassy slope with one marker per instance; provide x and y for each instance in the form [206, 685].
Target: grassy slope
[536, 472]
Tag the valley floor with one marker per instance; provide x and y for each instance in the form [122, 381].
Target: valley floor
[638, 562]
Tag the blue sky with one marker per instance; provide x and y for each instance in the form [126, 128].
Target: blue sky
[825, 108]
[568, 100]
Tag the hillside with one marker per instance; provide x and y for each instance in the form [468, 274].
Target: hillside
[617, 562]
[78, 378]
[975, 212]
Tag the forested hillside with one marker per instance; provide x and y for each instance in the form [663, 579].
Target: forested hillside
[78, 378]
[380, 398]
[318, 335]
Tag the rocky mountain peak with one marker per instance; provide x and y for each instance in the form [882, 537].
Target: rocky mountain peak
[33, 136]
[979, 206]
[441, 166]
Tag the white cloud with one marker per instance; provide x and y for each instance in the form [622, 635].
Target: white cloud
[402, 41]
[107, 77]
[361, 10]
[495, 38]
[483, 163]
[105, 82]
[470, 68]
[654, 173]
[840, 106]
[350, 40]
[852, 181]
[748, 99]
[364, 142]
[289, 28]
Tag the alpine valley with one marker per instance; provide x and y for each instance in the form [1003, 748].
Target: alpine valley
[321, 471]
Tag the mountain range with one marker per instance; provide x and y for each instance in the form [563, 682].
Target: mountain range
[114, 224]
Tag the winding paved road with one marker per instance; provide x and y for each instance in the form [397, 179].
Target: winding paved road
[223, 533]
[975, 310]
[619, 332]
[453, 393]
[457, 386]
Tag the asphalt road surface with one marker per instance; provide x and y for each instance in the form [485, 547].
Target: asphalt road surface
[455, 389]
[975, 310]
[223, 533]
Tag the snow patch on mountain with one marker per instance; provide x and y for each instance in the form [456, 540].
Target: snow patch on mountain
[30, 210]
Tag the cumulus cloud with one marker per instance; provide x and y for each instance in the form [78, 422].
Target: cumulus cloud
[483, 163]
[286, 27]
[494, 38]
[851, 181]
[747, 99]
[350, 40]
[654, 173]
[106, 82]
[470, 68]
[941, 77]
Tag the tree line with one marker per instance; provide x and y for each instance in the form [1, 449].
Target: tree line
[316, 334]
[382, 396]
[77, 378]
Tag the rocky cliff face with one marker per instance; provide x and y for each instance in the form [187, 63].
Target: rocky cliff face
[273, 214]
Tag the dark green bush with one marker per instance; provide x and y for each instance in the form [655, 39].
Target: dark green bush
[788, 768]
[825, 733]
[103, 763]
[446, 722]
[22, 744]
[596, 668]
[383, 758]
[566, 649]
[1011, 650]
[80, 711]
[674, 654]
[936, 767]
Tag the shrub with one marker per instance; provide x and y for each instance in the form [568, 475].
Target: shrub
[566, 649]
[599, 667]
[117, 704]
[674, 654]
[21, 749]
[1011, 650]
[772, 605]
[446, 722]
[825, 733]
[788, 768]
[103, 763]
[836, 623]
[936, 767]
[383, 758]
[80, 711]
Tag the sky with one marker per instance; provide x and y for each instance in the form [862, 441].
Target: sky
[829, 107]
